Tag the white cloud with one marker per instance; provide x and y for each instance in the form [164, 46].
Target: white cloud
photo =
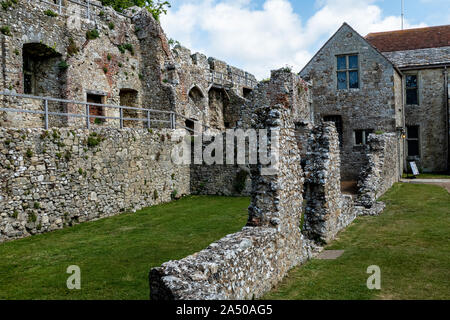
[259, 40]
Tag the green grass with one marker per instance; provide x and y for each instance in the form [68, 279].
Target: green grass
[429, 176]
[410, 242]
[115, 254]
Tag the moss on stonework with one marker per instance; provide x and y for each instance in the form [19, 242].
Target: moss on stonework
[240, 181]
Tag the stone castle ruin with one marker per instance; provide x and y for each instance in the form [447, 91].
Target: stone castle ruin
[92, 102]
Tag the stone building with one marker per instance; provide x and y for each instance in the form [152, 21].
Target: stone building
[423, 56]
[97, 158]
[387, 82]
[85, 52]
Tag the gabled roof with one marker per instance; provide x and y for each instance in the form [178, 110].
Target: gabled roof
[345, 24]
[411, 39]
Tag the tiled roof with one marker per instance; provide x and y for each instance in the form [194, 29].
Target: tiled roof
[419, 57]
[411, 39]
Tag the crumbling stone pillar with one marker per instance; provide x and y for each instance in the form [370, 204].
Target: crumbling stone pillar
[322, 184]
[379, 174]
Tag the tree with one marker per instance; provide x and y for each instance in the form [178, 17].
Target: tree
[155, 7]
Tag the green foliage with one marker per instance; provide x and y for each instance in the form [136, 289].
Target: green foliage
[111, 26]
[109, 57]
[32, 217]
[63, 65]
[155, 194]
[105, 69]
[98, 121]
[174, 43]
[240, 180]
[8, 3]
[72, 48]
[126, 46]
[155, 7]
[37, 205]
[50, 13]
[287, 68]
[173, 195]
[94, 140]
[92, 34]
[6, 30]
[29, 153]
[101, 14]
[55, 134]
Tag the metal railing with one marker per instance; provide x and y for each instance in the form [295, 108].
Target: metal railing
[88, 6]
[148, 119]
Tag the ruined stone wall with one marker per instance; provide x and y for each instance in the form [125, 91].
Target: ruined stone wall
[128, 54]
[219, 88]
[327, 210]
[52, 179]
[381, 170]
[221, 178]
[247, 264]
[235, 179]
[372, 106]
[431, 116]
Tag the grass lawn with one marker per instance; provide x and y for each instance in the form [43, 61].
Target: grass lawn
[116, 254]
[410, 242]
[429, 176]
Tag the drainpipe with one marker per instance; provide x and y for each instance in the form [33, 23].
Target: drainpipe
[448, 116]
[403, 141]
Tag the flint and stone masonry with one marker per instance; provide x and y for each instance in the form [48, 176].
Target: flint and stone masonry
[247, 264]
[50, 179]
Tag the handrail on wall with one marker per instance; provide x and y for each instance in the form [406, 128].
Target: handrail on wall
[148, 112]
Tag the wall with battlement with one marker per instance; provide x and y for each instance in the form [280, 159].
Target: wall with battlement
[52, 179]
[208, 90]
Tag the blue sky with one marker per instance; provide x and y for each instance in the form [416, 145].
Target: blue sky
[260, 35]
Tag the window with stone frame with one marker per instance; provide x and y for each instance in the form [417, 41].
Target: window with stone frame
[360, 137]
[412, 89]
[413, 140]
[347, 72]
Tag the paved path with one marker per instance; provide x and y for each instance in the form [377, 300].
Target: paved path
[445, 183]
